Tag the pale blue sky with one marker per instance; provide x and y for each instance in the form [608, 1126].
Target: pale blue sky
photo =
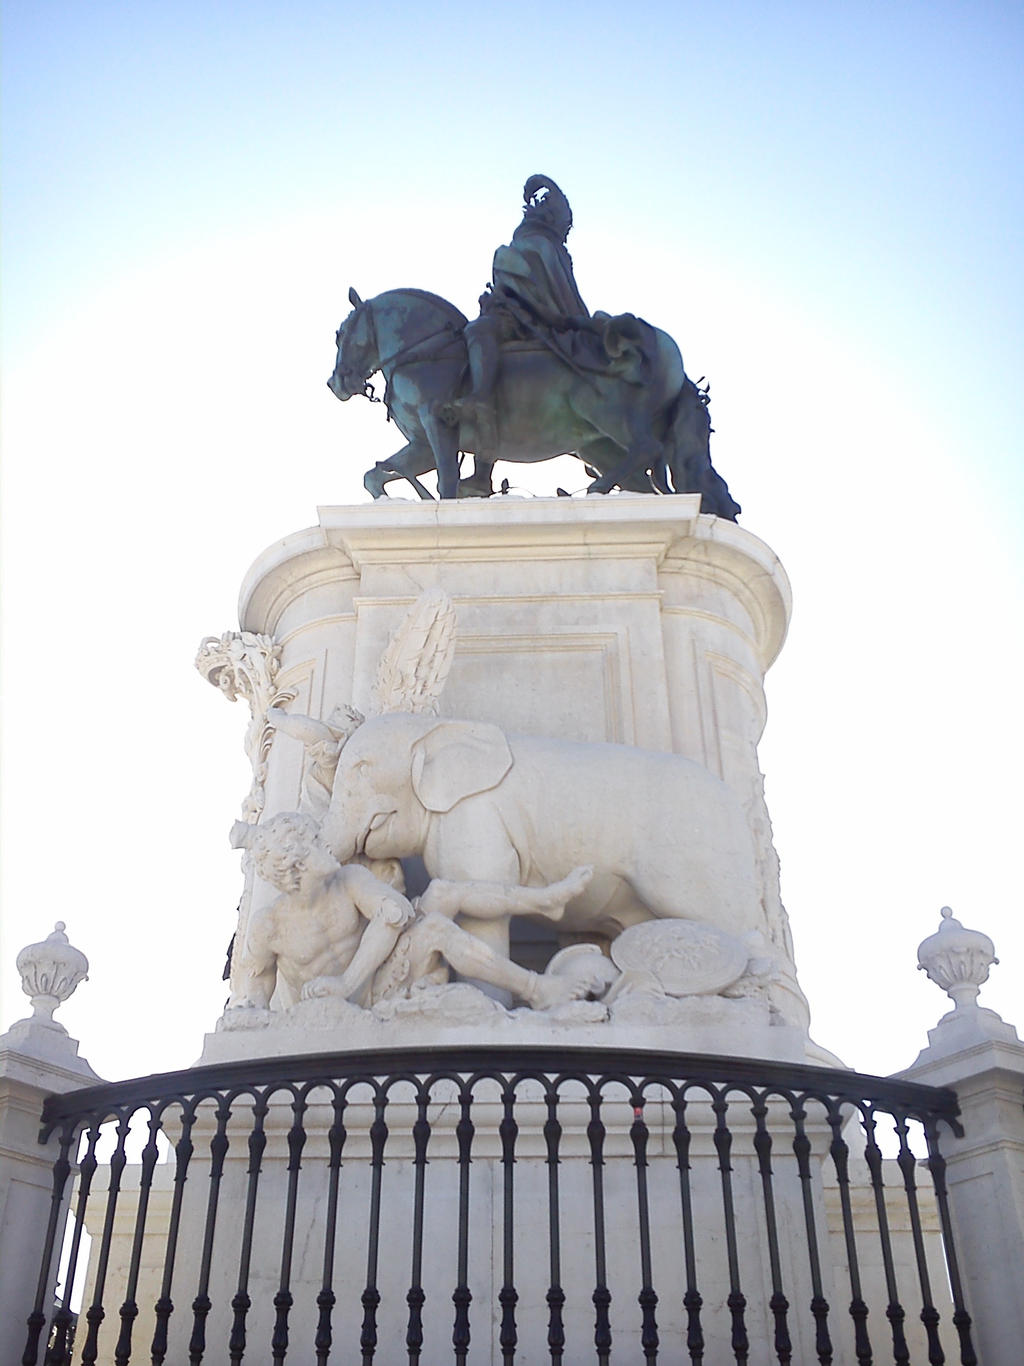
[822, 204]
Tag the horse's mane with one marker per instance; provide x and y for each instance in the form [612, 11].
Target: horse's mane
[452, 313]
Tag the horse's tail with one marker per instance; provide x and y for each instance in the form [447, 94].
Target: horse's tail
[688, 453]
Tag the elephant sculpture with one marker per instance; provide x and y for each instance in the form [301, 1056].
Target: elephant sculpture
[666, 838]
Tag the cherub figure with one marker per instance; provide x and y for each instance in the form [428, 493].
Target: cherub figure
[340, 930]
[322, 741]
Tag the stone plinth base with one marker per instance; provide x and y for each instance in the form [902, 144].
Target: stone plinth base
[698, 1024]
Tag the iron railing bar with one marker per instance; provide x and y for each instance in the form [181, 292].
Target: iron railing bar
[840, 1154]
[819, 1305]
[736, 1301]
[647, 1298]
[556, 1295]
[692, 1298]
[416, 1297]
[508, 1296]
[95, 1314]
[284, 1299]
[602, 1295]
[907, 1164]
[164, 1307]
[63, 1319]
[462, 1295]
[129, 1310]
[201, 1305]
[242, 1303]
[326, 1299]
[894, 1312]
[961, 1318]
[778, 1304]
[371, 1294]
[36, 1321]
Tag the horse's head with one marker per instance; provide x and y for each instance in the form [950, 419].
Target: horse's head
[357, 351]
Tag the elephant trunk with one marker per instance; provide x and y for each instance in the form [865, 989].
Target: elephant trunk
[335, 837]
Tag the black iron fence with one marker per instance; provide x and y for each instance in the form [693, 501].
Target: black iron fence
[502, 1204]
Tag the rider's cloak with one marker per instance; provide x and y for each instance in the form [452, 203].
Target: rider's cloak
[536, 270]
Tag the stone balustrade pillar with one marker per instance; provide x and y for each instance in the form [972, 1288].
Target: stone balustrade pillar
[980, 1057]
[37, 1059]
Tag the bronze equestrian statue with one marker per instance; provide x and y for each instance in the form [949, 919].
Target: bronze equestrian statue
[536, 375]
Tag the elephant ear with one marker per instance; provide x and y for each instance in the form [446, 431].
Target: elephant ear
[457, 759]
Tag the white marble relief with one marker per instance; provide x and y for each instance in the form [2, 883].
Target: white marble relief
[642, 850]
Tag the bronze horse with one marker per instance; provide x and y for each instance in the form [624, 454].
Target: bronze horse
[635, 435]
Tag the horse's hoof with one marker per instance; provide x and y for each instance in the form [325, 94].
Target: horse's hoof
[373, 483]
[475, 488]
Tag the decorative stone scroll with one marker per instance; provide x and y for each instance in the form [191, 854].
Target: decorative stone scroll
[244, 664]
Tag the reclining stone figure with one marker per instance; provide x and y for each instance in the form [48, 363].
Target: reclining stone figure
[342, 931]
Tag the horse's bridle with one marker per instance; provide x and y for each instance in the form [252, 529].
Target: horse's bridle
[401, 356]
[367, 389]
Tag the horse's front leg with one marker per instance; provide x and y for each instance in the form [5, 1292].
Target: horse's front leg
[444, 442]
[413, 459]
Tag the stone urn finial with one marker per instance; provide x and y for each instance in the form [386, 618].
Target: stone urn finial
[50, 972]
[957, 960]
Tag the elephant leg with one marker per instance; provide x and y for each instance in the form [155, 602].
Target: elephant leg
[412, 460]
[498, 900]
[475, 849]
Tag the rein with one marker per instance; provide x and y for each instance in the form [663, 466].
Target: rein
[402, 355]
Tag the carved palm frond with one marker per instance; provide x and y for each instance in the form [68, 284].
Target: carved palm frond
[415, 665]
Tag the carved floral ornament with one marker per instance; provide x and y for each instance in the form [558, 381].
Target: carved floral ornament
[241, 663]
[246, 664]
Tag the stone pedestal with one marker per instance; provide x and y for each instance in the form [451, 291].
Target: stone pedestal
[981, 1058]
[628, 619]
[36, 1060]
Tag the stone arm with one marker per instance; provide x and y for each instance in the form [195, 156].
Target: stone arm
[387, 913]
[257, 975]
[306, 729]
